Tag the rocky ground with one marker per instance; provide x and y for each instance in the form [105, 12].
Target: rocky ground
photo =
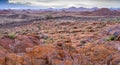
[61, 41]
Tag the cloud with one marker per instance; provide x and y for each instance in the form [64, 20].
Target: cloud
[69, 3]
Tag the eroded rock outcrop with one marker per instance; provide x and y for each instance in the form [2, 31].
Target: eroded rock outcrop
[20, 43]
[64, 54]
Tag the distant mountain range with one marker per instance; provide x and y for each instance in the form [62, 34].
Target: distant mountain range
[101, 12]
[91, 11]
[21, 6]
[82, 11]
[79, 9]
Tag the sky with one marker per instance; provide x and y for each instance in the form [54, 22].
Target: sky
[6, 4]
[62, 3]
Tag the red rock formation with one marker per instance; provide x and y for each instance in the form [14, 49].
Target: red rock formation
[101, 12]
[4, 11]
[66, 55]
[20, 43]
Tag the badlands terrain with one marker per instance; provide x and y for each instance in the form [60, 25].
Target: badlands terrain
[34, 37]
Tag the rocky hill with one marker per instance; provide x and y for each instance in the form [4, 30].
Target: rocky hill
[4, 11]
[102, 12]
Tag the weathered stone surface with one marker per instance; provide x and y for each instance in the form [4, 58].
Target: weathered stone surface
[63, 54]
[20, 43]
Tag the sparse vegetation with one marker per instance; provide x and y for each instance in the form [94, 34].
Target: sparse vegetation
[39, 26]
[62, 37]
[48, 40]
[89, 27]
[82, 42]
[88, 64]
[12, 35]
[25, 31]
[111, 38]
[1, 32]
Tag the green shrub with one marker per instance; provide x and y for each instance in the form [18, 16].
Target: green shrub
[111, 38]
[88, 64]
[11, 36]
[49, 40]
[82, 42]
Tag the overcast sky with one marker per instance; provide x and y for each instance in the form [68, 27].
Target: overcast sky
[69, 3]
